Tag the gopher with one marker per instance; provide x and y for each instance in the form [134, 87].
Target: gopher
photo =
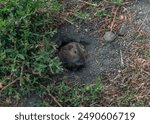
[73, 55]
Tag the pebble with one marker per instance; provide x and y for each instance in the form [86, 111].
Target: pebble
[109, 36]
[122, 29]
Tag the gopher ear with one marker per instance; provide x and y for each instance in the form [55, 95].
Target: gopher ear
[70, 47]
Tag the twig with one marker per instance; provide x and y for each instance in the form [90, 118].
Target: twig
[112, 24]
[124, 3]
[121, 59]
[68, 21]
[9, 84]
[52, 97]
[55, 100]
[143, 21]
[95, 55]
[88, 3]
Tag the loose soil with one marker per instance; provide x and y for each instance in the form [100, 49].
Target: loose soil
[113, 61]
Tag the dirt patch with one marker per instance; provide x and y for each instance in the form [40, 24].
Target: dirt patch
[131, 85]
[141, 16]
[103, 57]
[128, 86]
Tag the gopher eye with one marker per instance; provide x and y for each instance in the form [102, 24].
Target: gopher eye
[75, 51]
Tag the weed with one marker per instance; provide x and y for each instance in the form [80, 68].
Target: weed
[102, 14]
[117, 1]
[77, 95]
[26, 53]
[144, 53]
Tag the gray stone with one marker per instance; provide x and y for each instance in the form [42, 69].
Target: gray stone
[122, 29]
[109, 36]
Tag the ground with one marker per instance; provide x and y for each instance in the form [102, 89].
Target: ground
[105, 58]
[122, 65]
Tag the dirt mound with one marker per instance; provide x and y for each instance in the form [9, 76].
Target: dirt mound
[103, 57]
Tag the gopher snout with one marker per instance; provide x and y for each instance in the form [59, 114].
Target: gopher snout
[73, 55]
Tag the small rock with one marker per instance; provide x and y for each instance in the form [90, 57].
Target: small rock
[122, 29]
[109, 36]
[86, 30]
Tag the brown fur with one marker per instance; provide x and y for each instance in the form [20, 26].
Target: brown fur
[73, 55]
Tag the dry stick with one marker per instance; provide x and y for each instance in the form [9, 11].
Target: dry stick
[95, 55]
[112, 24]
[68, 21]
[9, 85]
[143, 21]
[55, 100]
[53, 97]
[88, 3]
[121, 59]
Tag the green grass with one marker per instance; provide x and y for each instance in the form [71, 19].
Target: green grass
[117, 1]
[27, 60]
[26, 52]
[77, 94]
[144, 53]
[102, 14]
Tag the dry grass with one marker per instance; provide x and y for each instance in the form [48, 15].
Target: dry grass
[131, 86]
